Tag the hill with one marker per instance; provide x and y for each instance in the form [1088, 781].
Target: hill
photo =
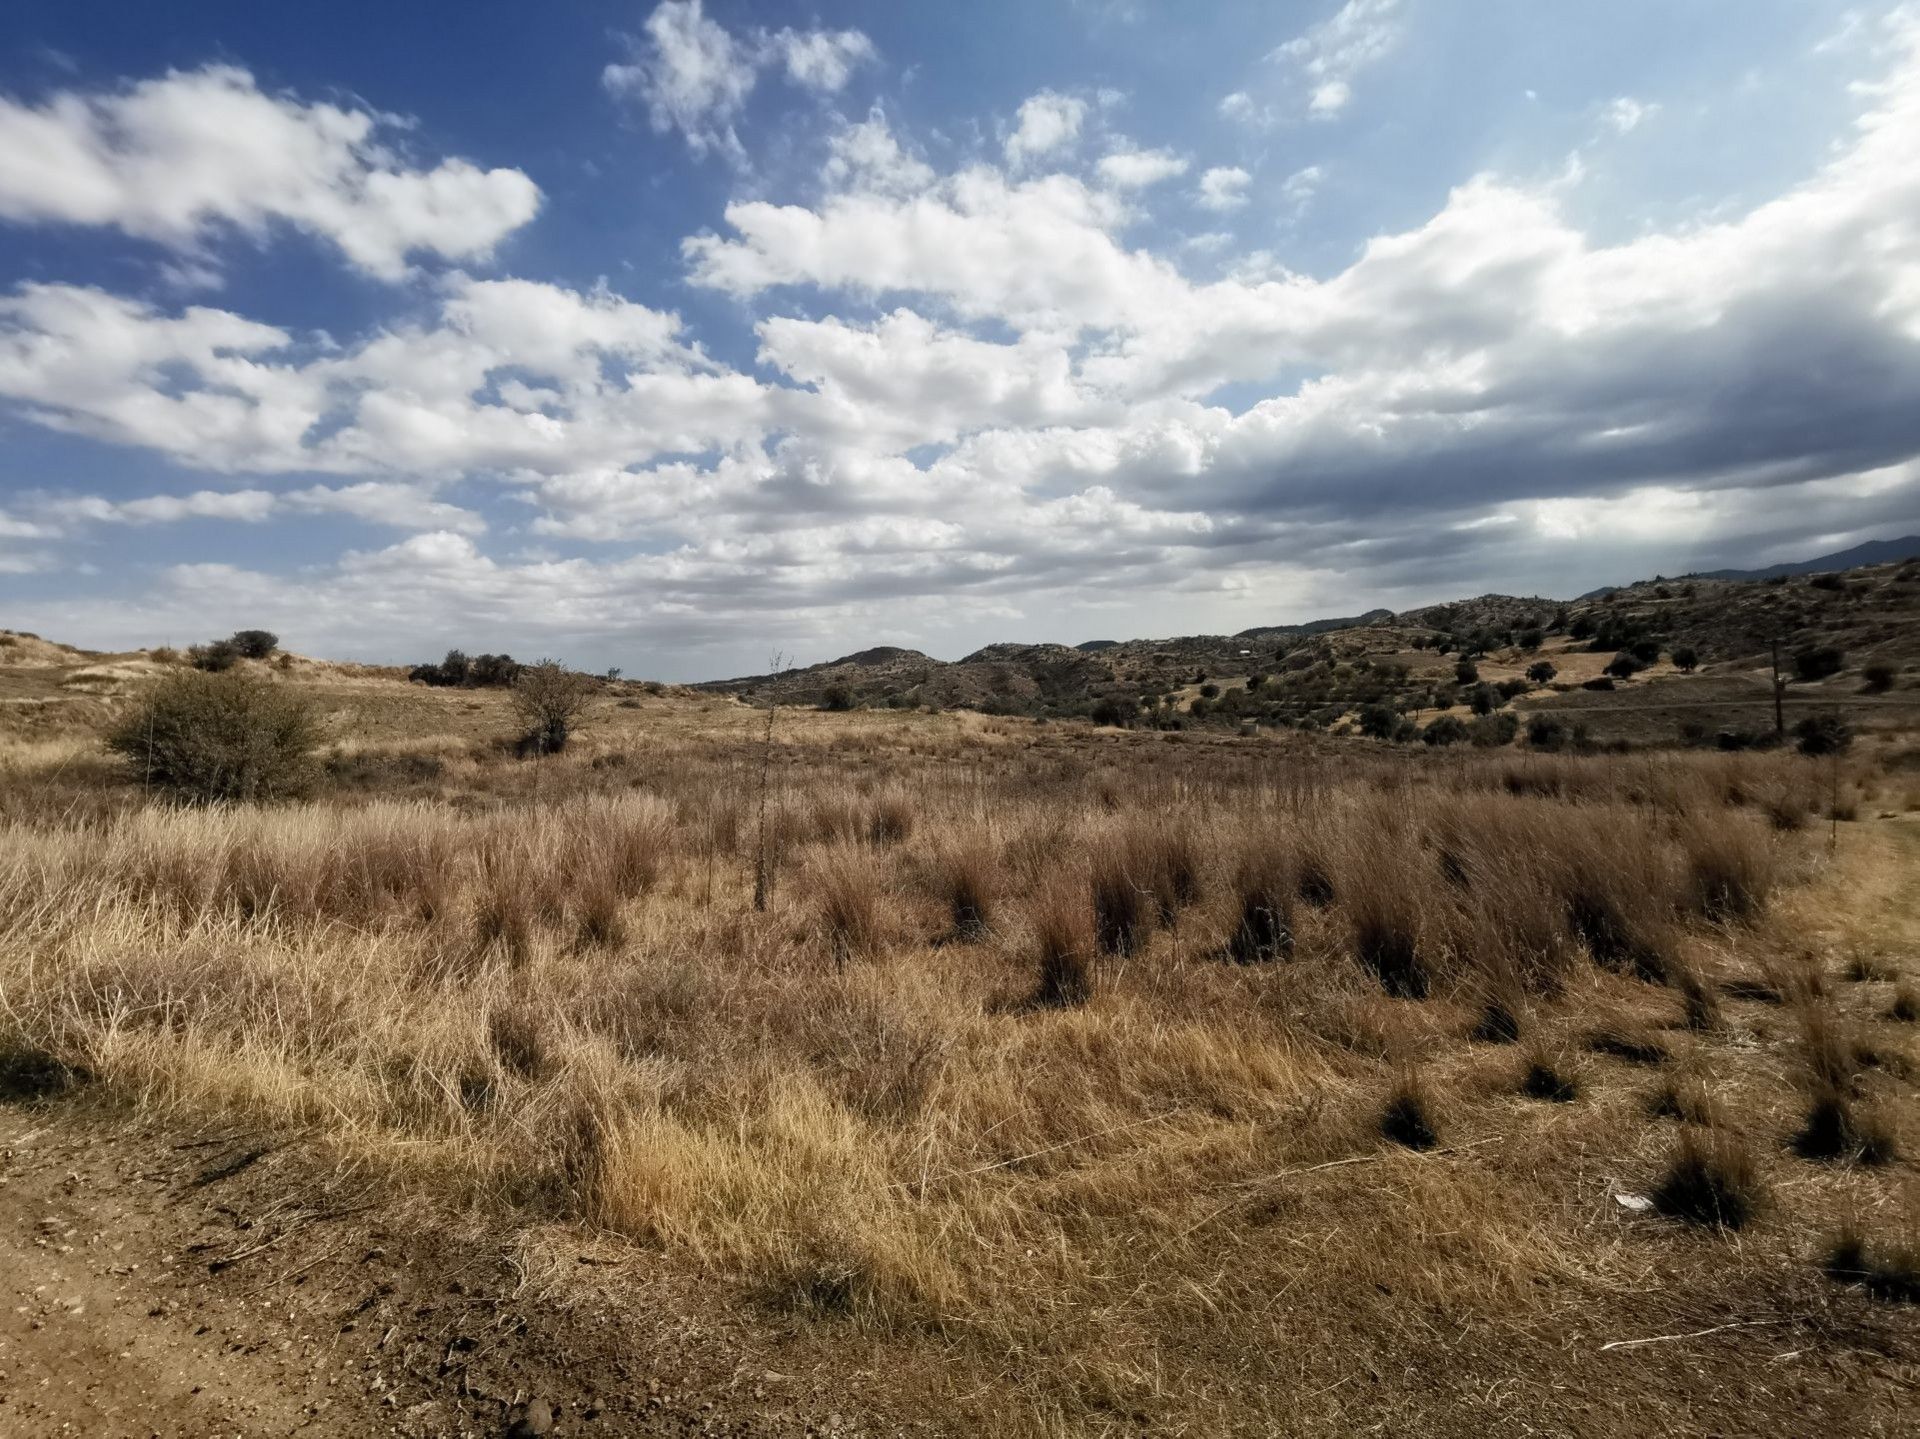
[1873, 552]
[1705, 649]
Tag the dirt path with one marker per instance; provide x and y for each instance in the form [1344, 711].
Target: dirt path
[95, 1340]
[164, 1284]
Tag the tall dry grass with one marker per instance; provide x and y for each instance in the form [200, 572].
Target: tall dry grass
[981, 1057]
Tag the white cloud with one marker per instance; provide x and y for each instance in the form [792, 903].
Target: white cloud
[1137, 169]
[1625, 114]
[1223, 188]
[986, 390]
[1300, 187]
[866, 156]
[1047, 122]
[695, 75]
[823, 60]
[1328, 56]
[1240, 107]
[178, 159]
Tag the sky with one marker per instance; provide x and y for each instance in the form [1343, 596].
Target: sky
[672, 336]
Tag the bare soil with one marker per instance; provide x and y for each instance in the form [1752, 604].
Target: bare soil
[159, 1283]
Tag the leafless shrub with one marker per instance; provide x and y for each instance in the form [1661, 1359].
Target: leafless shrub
[550, 700]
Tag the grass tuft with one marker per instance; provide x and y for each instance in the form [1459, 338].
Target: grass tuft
[1892, 1273]
[1549, 1074]
[1711, 1180]
[1408, 1117]
[1064, 940]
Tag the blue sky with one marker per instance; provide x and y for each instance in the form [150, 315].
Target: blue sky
[671, 335]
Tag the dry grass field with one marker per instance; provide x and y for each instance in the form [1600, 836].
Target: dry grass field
[1075, 1081]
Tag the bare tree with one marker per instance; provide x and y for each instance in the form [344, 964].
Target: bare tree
[550, 701]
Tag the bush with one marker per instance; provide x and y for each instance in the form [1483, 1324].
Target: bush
[1492, 731]
[1110, 711]
[493, 671]
[1818, 735]
[1446, 729]
[1483, 699]
[1604, 682]
[1542, 671]
[214, 658]
[1378, 722]
[1624, 665]
[1686, 659]
[1818, 662]
[550, 699]
[218, 736]
[1530, 639]
[254, 644]
[837, 698]
[1646, 651]
[457, 671]
[1466, 672]
[1545, 732]
[1879, 678]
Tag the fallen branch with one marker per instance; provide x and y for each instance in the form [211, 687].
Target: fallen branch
[1698, 1333]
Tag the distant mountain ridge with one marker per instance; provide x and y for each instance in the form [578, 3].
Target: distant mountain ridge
[1873, 552]
[1048, 677]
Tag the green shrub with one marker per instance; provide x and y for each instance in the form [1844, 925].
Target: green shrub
[1378, 722]
[1624, 664]
[254, 644]
[220, 736]
[1492, 731]
[1817, 662]
[1446, 729]
[1686, 659]
[1822, 735]
[1542, 671]
[1545, 732]
[1879, 678]
[214, 658]
[1466, 672]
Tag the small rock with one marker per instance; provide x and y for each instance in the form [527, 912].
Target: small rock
[536, 1417]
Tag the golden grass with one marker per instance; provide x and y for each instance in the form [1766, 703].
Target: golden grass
[979, 1070]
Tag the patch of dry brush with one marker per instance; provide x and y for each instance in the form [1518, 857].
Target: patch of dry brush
[979, 1058]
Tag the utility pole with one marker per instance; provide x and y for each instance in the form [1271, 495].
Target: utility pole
[1779, 690]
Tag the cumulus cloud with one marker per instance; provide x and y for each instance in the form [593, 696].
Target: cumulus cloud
[867, 156]
[1047, 123]
[179, 159]
[823, 60]
[978, 386]
[1137, 169]
[694, 75]
[1223, 188]
[1332, 53]
[510, 373]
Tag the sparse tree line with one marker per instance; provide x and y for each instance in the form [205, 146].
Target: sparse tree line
[216, 733]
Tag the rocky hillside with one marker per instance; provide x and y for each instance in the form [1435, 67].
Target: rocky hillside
[1427, 660]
